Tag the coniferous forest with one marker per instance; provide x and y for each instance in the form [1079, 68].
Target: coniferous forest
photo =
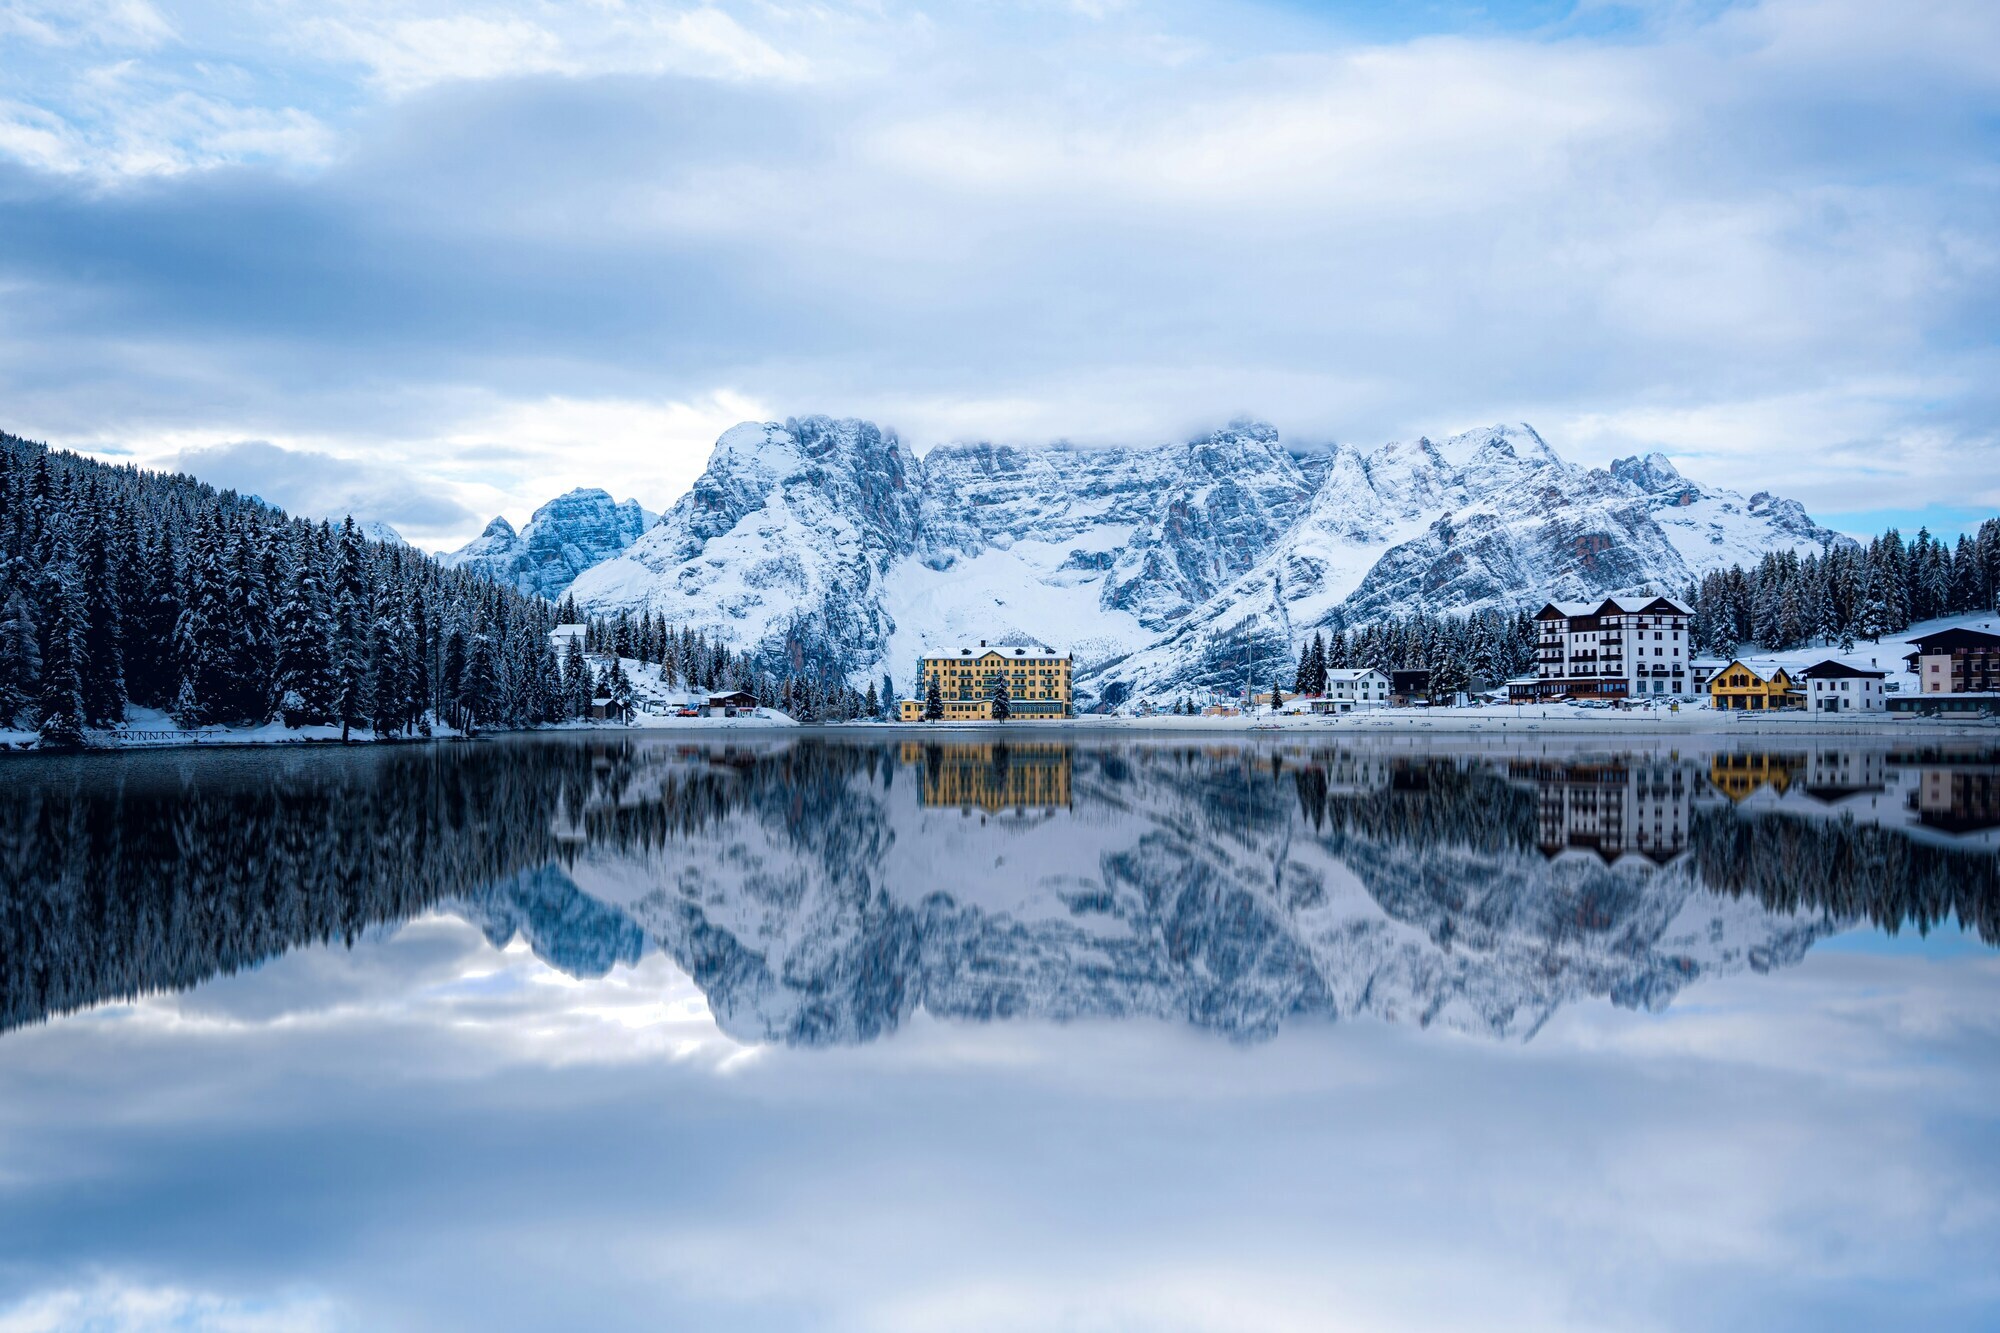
[123, 588]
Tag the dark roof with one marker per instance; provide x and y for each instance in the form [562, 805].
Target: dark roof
[1957, 638]
[1832, 670]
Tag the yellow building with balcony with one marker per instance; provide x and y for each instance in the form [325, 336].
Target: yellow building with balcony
[1754, 686]
[1038, 684]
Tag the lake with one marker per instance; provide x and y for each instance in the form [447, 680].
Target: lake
[884, 1031]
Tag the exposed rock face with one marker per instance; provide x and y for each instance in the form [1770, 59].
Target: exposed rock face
[828, 542]
[566, 536]
[783, 542]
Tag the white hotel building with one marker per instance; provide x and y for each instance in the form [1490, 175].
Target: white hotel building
[1619, 648]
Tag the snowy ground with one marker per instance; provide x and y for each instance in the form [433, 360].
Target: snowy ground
[1691, 720]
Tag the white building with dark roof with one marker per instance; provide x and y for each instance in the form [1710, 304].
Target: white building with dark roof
[1616, 648]
[1838, 687]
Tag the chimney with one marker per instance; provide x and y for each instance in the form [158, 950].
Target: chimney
[982, 643]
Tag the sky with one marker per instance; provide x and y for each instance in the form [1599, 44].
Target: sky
[432, 262]
[423, 1132]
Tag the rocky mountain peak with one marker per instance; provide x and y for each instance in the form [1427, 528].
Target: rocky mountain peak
[826, 540]
[1651, 473]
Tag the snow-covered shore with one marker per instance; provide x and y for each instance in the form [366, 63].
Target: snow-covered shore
[1541, 718]
[148, 729]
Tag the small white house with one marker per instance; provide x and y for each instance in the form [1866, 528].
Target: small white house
[1836, 687]
[1349, 688]
[561, 635]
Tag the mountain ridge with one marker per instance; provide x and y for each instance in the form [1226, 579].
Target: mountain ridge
[829, 544]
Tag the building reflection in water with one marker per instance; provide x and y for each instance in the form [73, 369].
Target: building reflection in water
[992, 776]
[1613, 808]
[1741, 774]
[1961, 799]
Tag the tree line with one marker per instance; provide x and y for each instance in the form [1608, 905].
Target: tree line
[1845, 593]
[124, 588]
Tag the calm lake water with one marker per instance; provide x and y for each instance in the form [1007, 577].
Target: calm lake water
[639, 1033]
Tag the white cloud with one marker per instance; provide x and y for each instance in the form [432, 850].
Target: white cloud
[114, 1306]
[1735, 236]
[404, 55]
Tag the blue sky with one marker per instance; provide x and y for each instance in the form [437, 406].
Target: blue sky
[436, 261]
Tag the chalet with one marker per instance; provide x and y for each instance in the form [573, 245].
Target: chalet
[1836, 687]
[1956, 661]
[730, 704]
[604, 708]
[1753, 687]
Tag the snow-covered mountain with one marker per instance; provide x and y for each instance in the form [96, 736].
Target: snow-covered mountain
[830, 541]
[832, 898]
[566, 536]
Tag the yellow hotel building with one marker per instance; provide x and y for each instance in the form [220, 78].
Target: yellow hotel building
[1038, 684]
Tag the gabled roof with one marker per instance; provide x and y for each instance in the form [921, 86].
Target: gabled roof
[1614, 606]
[1831, 669]
[1961, 637]
[1350, 673]
[1764, 669]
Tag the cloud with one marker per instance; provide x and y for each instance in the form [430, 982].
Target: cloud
[320, 485]
[1747, 235]
[111, 1306]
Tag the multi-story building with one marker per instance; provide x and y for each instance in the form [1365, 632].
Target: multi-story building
[1621, 647]
[1836, 687]
[1038, 683]
[1957, 661]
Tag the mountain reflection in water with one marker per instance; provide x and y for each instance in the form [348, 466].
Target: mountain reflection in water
[823, 890]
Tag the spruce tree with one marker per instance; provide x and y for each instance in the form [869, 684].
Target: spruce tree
[305, 667]
[1002, 705]
[933, 701]
[577, 682]
[20, 657]
[62, 651]
[104, 636]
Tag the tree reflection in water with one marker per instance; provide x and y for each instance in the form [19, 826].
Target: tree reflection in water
[821, 890]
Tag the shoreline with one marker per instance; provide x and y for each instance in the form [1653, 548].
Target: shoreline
[1543, 720]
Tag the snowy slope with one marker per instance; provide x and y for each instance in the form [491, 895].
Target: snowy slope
[782, 544]
[828, 542]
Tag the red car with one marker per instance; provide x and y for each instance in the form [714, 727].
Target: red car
[687, 712]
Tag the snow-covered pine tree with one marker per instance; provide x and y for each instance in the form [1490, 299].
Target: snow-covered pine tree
[20, 657]
[103, 634]
[62, 716]
[577, 681]
[305, 667]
